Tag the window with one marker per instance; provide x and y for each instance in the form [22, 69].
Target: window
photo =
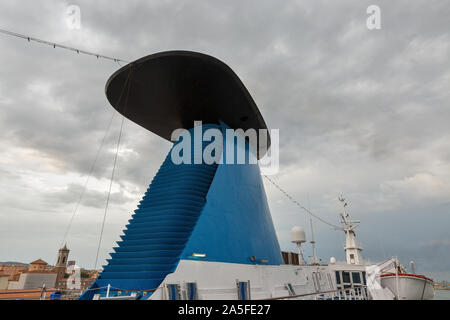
[364, 277]
[346, 277]
[243, 288]
[316, 282]
[338, 277]
[191, 289]
[330, 282]
[356, 277]
[173, 291]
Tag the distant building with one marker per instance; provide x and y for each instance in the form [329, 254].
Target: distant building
[37, 266]
[79, 279]
[4, 279]
[36, 276]
[61, 264]
[72, 284]
[28, 294]
[12, 269]
[15, 277]
[34, 280]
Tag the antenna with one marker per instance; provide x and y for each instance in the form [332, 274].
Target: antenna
[298, 237]
[348, 225]
[344, 215]
[314, 259]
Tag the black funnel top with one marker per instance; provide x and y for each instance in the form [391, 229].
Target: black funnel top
[170, 90]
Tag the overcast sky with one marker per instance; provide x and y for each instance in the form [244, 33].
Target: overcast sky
[363, 113]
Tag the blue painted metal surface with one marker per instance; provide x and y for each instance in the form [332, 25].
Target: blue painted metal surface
[158, 231]
[235, 224]
[219, 210]
[55, 295]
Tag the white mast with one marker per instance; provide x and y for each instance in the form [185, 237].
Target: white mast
[352, 248]
[314, 260]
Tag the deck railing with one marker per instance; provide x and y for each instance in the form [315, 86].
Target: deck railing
[359, 293]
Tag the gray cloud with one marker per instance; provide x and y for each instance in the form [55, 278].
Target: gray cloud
[360, 112]
[91, 198]
[438, 244]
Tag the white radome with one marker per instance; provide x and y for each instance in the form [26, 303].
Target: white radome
[332, 260]
[298, 235]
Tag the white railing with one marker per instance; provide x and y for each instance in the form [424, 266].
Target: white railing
[358, 293]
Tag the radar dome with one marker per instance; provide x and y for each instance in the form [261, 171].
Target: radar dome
[298, 235]
[332, 260]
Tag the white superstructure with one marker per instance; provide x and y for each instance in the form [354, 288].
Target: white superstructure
[353, 279]
[218, 280]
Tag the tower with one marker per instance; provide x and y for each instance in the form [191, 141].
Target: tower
[61, 264]
[352, 247]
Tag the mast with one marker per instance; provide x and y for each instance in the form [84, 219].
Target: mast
[314, 260]
[352, 248]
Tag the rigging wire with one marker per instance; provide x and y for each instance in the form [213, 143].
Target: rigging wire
[299, 205]
[91, 170]
[114, 164]
[109, 192]
[57, 45]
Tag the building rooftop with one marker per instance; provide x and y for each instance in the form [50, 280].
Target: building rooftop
[40, 271]
[25, 294]
[39, 261]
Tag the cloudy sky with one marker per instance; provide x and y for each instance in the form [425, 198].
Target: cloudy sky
[363, 113]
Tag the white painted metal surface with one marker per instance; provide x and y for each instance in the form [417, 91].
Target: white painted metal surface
[217, 280]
